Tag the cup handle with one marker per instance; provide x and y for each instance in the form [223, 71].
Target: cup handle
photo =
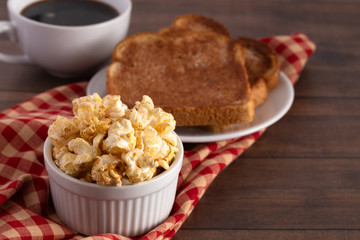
[10, 30]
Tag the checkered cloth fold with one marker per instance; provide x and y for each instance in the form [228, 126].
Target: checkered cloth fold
[26, 209]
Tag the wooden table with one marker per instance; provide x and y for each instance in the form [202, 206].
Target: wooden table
[301, 179]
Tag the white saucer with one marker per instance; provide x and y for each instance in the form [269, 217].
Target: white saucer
[97, 83]
[275, 107]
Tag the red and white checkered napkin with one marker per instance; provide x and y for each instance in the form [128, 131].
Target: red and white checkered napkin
[25, 202]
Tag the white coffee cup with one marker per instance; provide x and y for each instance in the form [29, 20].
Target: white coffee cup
[64, 50]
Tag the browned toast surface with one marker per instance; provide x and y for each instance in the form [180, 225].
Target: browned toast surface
[262, 67]
[180, 73]
[193, 22]
[261, 62]
[198, 76]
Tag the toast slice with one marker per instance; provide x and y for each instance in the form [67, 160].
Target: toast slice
[193, 22]
[261, 62]
[198, 76]
[262, 66]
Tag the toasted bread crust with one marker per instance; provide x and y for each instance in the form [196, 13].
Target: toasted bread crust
[213, 115]
[262, 67]
[261, 62]
[192, 22]
[259, 92]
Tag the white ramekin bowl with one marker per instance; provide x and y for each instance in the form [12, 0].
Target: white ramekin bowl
[129, 210]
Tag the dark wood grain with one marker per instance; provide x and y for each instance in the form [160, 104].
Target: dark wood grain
[214, 234]
[301, 179]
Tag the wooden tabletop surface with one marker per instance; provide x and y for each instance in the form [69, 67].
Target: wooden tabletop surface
[301, 179]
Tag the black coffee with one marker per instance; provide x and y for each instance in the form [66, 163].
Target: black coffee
[69, 12]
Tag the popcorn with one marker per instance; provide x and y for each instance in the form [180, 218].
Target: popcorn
[162, 121]
[85, 153]
[107, 170]
[153, 144]
[120, 137]
[139, 165]
[90, 118]
[91, 126]
[64, 159]
[62, 131]
[88, 106]
[107, 142]
[141, 115]
[114, 108]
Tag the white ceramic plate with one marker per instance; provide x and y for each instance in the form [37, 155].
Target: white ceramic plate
[275, 107]
[97, 83]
